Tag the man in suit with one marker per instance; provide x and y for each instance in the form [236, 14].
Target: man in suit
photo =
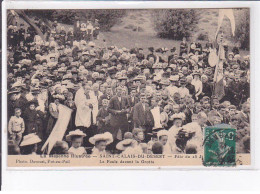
[132, 100]
[142, 116]
[118, 108]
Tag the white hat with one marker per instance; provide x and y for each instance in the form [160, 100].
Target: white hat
[104, 136]
[178, 116]
[18, 84]
[174, 78]
[91, 44]
[122, 145]
[85, 53]
[162, 133]
[77, 132]
[30, 139]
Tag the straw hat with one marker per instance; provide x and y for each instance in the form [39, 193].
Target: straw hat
[122, 145]
[104, 136]
[77, 132]
[162, 133]
[30, 139]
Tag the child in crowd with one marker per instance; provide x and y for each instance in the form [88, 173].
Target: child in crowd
[163, 139]
[76, 139]
[101, 141]
[16, 126]
[128, 146]
[138, 135]
[157, 148]
[128, 135]
[29, 144]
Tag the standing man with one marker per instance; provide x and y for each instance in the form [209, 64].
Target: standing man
[132, 100]
[118, 108]
[142, 116]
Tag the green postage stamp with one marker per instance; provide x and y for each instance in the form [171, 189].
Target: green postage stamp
[219, 146]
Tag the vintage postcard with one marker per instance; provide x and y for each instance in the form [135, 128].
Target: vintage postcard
[127, 87]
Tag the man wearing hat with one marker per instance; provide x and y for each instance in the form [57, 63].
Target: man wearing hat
[17, 100]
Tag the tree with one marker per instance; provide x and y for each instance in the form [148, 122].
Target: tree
[242, 34]
[175, 23]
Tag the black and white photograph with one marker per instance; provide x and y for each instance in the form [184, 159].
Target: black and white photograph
[122, 83]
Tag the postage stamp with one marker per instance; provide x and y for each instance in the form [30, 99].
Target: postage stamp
[220, 146]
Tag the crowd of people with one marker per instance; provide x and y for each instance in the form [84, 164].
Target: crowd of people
[120, 100]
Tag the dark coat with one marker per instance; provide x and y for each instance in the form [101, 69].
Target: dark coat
[103, 121]
[142, 118]
[118, 110]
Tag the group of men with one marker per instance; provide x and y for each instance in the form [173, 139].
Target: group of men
[166, 93]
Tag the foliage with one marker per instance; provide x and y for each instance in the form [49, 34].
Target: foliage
[107, 17]
[203, 36]
[175, 23]
[242, 34]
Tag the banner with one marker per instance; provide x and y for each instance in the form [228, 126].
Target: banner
[59, 129]
[230, 15]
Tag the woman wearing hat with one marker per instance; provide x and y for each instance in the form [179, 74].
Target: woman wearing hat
[174, 130]
[31, 117]
[197, 84]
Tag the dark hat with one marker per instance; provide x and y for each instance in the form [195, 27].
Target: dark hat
[43, 61]
[159, 50]
[97, 62]
[197, 72]
[35, 102]
[15, 91]
[151, 49]
[158, 129]
[173, 49]
[35, 90]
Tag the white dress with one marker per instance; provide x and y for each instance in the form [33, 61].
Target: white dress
[198, 86]
[157, 117]
[77, 151]
[173, 131]
[197, 140]
[95, 151]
